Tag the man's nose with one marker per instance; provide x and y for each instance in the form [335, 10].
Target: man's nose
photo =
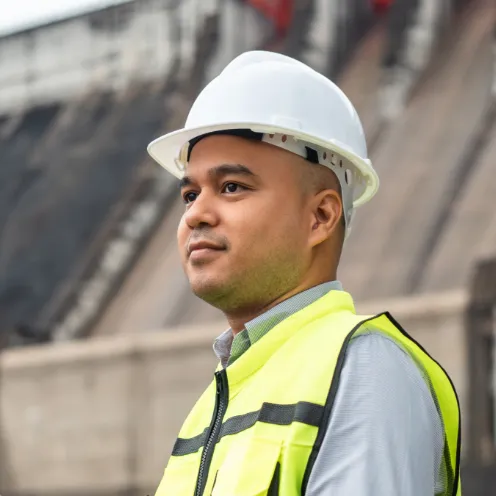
[201, 212]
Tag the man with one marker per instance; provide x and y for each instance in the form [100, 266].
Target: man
[308, 398]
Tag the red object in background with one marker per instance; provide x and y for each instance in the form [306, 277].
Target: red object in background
[381, 6]
[279, 12]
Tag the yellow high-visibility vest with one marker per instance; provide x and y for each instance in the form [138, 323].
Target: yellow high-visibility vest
[258, 427]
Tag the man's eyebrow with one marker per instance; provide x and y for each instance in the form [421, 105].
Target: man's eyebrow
[225, 169]
[185, 181]
[219, 171]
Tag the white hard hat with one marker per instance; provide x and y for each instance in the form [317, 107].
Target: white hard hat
[287, 104]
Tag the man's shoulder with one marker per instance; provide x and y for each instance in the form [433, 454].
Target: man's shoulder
[374, 336]
[371, 339]
[384, 361]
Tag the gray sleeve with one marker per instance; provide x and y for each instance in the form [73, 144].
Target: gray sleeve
[385, 435]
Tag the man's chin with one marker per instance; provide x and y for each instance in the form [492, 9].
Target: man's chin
[211, 290]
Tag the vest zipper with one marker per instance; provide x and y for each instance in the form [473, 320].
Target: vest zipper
[221, 401]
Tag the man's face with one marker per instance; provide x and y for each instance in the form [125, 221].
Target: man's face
[243, 236]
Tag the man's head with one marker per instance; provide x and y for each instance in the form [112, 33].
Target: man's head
[274, 219]
[273, 214]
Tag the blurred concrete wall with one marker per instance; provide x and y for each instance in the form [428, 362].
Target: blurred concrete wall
[100, 416]
[105, 50]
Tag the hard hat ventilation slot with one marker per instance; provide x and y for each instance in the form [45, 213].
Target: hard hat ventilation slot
[348, 176]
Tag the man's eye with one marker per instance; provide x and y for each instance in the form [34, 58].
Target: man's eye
[232, 188]
[189, 197]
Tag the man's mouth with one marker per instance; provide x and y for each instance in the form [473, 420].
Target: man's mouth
[203, 245]
[198, 250]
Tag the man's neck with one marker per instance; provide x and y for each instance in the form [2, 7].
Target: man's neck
[237, 320]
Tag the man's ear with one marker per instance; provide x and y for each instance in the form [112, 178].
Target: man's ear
[326, 216]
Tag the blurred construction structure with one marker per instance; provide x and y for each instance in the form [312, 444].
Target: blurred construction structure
[89, 269]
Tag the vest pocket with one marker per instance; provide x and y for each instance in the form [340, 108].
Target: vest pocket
[251, 470]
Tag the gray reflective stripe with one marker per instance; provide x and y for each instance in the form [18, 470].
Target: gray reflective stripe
[188, 446]
[270, 413]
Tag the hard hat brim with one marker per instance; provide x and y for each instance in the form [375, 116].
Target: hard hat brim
[165, 151]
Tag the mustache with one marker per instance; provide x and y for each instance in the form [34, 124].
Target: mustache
[208, 235]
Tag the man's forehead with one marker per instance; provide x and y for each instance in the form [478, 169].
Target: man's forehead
[218, 149]
[223, 145]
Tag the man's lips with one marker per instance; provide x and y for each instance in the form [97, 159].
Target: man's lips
[203, 245]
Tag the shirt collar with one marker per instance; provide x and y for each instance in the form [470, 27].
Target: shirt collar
[228, 348]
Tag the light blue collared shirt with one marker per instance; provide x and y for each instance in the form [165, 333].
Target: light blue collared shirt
[385, 436]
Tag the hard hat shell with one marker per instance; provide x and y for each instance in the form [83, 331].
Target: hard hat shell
[271, 93]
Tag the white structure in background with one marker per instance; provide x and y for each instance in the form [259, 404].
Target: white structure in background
[430, 17]
[423, 33]
[322, 34]
[27, 14]
[241, 28]
[106, 50]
